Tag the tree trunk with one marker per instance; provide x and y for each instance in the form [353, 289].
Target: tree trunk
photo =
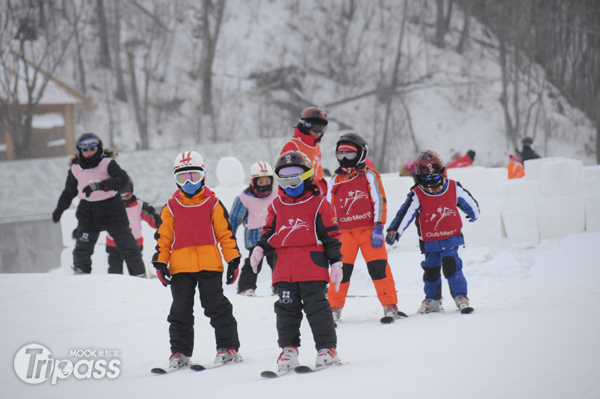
[104, 49]
[464, 34]
[504, 96]
[120, 93]
[440, 24]
[141, 123]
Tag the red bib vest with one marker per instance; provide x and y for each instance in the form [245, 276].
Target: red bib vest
[296, 223]
[353, 206]
[314, 154]
[193, 224]
[257, 209]
[439, 218]
[94, 175]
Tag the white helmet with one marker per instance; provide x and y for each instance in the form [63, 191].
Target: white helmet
[188, 160]
[261, 169]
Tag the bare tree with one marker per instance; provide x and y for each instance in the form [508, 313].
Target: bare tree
[34, 40]
[103, 35]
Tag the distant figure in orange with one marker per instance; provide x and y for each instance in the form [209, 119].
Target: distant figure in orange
[515, 167]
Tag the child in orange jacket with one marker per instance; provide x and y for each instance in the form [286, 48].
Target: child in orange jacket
[358, 197]
[193, 224]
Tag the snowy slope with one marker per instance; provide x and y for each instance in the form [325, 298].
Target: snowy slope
[533, 334]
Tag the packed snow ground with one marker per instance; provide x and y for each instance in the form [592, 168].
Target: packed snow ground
[533, 333]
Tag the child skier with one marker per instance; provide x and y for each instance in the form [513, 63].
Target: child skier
[96, 178]
[193, 223]
[302, 230]
[250, 209]
[434, 201]
[137, 210]
[358, 197]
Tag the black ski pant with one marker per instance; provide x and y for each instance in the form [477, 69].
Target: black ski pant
[247, 277]
[109, 215]
[115, 260]
[216, 307]
[310, 297]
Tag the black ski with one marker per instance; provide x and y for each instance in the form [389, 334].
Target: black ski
[391, 319]
[467, 310]
[167, 370]
[272, 374]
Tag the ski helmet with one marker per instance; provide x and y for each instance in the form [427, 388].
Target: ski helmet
[429, 171]
[313, 118]
[192, 182]
[258, 170]
[294, 159]
[354, 140]
[527, 141]
[87, 140]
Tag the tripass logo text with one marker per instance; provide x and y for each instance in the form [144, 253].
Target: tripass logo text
[34, 364]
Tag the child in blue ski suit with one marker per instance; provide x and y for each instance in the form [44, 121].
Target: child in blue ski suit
[435, 200]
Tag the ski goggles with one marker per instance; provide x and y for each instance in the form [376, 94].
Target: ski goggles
[193, 176]
[90, 144]
[315, 127]
[429, 178]
[350, 156]
[294, 180]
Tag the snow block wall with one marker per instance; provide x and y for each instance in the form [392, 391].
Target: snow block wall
[558, 197]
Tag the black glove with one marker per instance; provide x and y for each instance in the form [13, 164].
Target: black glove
[56, 215]
[94, 187]
[162, 272]
[468, 217]
[233, 268]
[392, 236]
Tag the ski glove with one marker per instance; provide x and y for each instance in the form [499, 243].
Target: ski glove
[56, 215]
[377, 236]
[256, 257]
[162, 272]
[94, 187]
[233, 268]
[392, 237]
[336, 275]
[468, 217]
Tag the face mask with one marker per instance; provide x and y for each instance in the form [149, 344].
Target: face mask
[191, 188]
[296, 191]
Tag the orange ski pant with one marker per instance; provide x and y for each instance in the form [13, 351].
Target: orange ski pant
[377, 265]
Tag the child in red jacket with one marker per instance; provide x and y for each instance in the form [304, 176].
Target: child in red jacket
[301, 229]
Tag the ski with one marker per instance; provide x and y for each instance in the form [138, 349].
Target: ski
[168, 369]
[307, 369]
[467, 310]
[391, 319]
[272, 374]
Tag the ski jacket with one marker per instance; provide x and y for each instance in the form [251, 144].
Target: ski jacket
[250, 211]
[137, 210]
[191, 231]
[304, 234]
[306, 144]
[515, 170]
[96, 215]
[528, 153]
[358, 198]
[430, 209]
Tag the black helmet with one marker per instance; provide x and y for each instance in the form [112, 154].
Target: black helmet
[313, 118]
[429, 171]
[527, 141]
[298, 159]
[355, 140]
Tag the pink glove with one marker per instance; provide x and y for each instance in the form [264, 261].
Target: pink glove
[336, 275]
[255, 258]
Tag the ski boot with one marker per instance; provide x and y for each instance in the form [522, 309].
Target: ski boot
[227, 355]
[288, 359]
[248, 292]
[337, 314]
[327, 357]
[430, 305]
[178, 360]
[462, 303]
[392, 311]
